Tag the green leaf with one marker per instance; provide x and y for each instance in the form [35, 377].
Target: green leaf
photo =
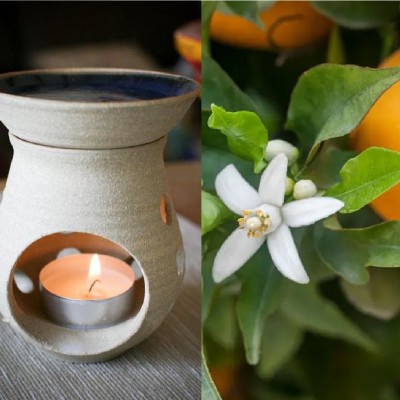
[325, 168]
[221, 324]
[379, 297]
[214, 161]
[208, 389]
[362, 218]
[388, 35]
[259, 297]
[280, 341]
[246, 9]
[303, 305]
[268, 111]
[265, 4]
[349, 251]
[207, 9]
[358, 14]
[213, 212]
[208, 285]
[219, 88]
[329, 101]
[336, 52]
[365, 177]
[211, 242]
[316, 268]
[247, 135]
[211, 137]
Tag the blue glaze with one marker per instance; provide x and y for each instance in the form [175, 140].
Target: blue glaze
[96, 87]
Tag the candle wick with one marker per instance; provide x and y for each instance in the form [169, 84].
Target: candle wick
[91, 287]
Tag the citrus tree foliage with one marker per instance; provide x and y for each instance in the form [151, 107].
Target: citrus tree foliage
[325, 339]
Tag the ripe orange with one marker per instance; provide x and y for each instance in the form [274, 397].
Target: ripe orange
[188, 44]
[381, 128]
[288, 25]
[224, 378]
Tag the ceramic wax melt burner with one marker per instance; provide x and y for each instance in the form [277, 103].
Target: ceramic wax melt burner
[88, 174]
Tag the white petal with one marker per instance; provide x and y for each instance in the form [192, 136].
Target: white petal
[285, 256]
[235, 192]
[307, 211]
[273, 181]
[234, 252]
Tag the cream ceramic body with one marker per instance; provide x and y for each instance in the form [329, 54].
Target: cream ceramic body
[92, 168]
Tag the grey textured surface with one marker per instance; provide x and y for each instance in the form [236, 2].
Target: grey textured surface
[166, 366]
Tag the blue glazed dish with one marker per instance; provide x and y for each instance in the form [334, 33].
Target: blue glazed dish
[93, 108]
[95, 86]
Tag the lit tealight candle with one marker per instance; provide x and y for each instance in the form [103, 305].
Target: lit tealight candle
[87, 290]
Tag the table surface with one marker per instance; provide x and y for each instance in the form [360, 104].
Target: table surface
[164, 367]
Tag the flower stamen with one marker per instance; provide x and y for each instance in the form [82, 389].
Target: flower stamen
[255, 222]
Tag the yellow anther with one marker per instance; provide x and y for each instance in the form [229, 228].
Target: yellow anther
[255, 222]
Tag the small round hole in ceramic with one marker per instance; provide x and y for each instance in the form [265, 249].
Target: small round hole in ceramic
[180, 261]
[165, 209]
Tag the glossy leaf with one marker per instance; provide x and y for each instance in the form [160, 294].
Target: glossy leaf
[207, 9]
[221, 324]
[258, 298]
[280, 341]
[213, 212]
[325, 168]
[208, 389]
[349, 251]
[363, 218]
[303, 305]
[358, 14]
[214, 161]
[211, 137]
[246, 9]
[329, 101]
[379, 297]
[265, 4]
[365, 177]
[315, 266]
[336, 51]
[210, 245]
[247, 135]
[219, 88]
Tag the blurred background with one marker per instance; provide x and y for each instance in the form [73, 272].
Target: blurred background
[139, 34]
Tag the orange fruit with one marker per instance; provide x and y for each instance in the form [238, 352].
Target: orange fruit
[188, 44]
[381, 128]
[224, 378]
[287, 25]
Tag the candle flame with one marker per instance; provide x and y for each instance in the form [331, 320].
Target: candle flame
[95, 268]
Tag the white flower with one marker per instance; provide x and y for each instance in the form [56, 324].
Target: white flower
[304, 188]
[266, 218]
[277, 146]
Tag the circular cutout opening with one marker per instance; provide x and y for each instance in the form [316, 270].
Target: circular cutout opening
[28, 307]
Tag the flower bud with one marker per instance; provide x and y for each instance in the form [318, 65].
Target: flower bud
[289, 185]
[304, 188]
[277, 146]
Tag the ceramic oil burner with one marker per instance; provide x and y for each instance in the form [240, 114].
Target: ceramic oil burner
[88, 174]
